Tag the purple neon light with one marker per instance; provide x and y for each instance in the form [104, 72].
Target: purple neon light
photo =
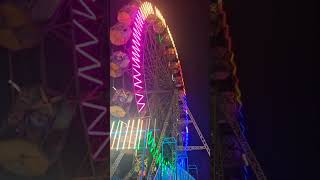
[136, 61]
[137, 64]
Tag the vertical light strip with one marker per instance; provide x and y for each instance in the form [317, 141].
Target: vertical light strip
[136, 63]
[140, 134]
[115, 135]
[111, 130]
[148, 131]
[129, 144]
[135, 141]
[125, 137]
[120, 131]
[154, 129]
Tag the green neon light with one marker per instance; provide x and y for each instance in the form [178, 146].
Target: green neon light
[156, 154]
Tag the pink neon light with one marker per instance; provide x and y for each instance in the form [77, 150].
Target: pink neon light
[136, 62]
[145, 10]
[139, 103]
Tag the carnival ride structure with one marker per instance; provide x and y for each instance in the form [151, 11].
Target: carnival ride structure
[150, 118]
[57, 126]
[232, 157]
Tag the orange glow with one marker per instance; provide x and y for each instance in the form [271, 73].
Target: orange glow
[146, 9]
[159, 15]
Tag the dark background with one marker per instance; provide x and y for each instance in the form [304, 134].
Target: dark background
[251, 28]
[276, 49]
[275, 44]
[189, 24]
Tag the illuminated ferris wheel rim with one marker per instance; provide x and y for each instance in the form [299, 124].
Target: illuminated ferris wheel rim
[145, 10]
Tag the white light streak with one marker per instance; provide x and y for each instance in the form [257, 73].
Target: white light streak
[135, 141]
[131, 134]
[148, 131]
[14, 85]
[154, 129]
[115, 135]
[112, 128]
[140, 134]
[119, 135]
[125, 137]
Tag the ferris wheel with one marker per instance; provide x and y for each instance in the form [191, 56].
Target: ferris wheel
[66, 111]
[58, 105]
[148, 96]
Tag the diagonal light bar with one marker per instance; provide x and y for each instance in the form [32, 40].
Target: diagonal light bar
[131, 134]
[148, 132]
[135, 141]
[115, 135]
[154, 128]
[120, 131]
[111, 129]
[125, 137]
[140, 134]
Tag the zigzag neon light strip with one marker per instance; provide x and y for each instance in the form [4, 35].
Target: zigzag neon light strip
[229, 45]
[144, 11]
[234, 71]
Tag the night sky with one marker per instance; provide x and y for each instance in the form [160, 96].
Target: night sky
[275, 44]
[251, 31]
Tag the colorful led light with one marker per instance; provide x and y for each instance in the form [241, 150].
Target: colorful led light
[160, 161]
[129, 145]
[159, 15]
[111, 128]
[234, 73]
[229, 44]
[234, 66]
[135, 60]
[140, 134]
[135, 141]
[115, 135]
[147, 132]
[119, 135]
[144, 11]
[125, 137]
[154, 128]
